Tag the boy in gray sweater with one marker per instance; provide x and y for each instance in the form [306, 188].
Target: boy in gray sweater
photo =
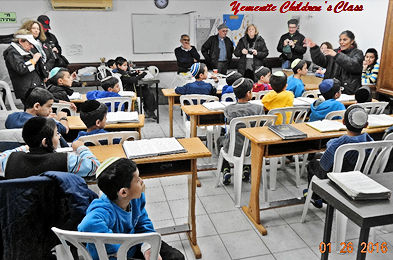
[242, 89]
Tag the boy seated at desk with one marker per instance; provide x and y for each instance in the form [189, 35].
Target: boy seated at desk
[262, 74]
[60, 83]
[111, 89]
[242, 89]
[38, 102]
[38, 156]
[295, 84]
[355, 119]
[199, 86]
[121, 209]
[331, 91]
[279, 97]
[230, 79]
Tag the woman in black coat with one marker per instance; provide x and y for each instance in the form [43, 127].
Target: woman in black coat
[252, 50]
[344, 63]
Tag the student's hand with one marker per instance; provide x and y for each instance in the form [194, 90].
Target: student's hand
[308, 43]
[147, 255]
[286, 42]
[52, 115]
[72, 106]
[330, 52]
[55, 49]
[254, 52]
[36, 56]
[187, 46]
[195, 60]
[46, 79]
[61, 114]
[365, 65]
[291, 43]
[244, 51]
[76, 144]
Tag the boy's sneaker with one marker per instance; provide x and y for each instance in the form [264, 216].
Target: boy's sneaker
[226, 176]
[305, 193]
[317, 203]
[246, 174]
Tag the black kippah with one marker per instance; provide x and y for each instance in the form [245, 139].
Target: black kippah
[90, 105]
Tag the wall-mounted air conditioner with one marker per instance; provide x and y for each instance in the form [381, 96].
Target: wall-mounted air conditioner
[82, 4]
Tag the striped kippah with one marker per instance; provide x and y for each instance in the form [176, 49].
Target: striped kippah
[279, 74]
[238, 82]
[259, 69]
[105, 165]
[195, 68]
[231, 73]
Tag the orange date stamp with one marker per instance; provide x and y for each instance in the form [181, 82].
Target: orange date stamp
[347, 247]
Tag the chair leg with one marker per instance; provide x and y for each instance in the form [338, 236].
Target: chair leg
[307, 203]
[238, 170]
[265, 191]
[218, 171]
[341, 229]
[273, 172]
[209, 140]
[297, 171]
[302, 170]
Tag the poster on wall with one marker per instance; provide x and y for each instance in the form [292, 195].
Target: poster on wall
[9, 17]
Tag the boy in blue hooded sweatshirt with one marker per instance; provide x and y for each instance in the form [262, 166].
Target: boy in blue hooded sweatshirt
[121, 209]
[330, 90]
[111, 89]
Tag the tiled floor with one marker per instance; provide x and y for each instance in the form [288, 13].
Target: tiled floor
[224, 232]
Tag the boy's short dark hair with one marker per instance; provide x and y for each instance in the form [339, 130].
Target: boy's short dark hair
[278, 81]
[59, 75]
[110, 63]
[232, 77]
[120, 60]
[293, 21]
[91, 111]
[298, 66]
[241, 87]
[355, 118]
[261, 71]
[109, 82]
[36, 95]
[36, 129]
[329, 88]
[116, 176]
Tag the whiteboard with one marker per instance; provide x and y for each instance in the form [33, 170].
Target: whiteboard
[158, 33]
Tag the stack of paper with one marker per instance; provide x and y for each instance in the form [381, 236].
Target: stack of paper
[303, 101]
[75, 95]
[152, 147]
[215, 105]
[379, 120]
[122, 117]
[345, 97]
[327, 125]
[127, 93]
[359, 186]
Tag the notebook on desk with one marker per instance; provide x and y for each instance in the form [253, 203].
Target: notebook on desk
[152, 147]
[287, 132]
[122, 117]
[327, 125]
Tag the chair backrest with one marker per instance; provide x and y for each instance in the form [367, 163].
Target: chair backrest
[64, 106]
[6, 87]
[373, 108]
[243, 122]
[298, 113]
[126, 241]
[117, 75]
[333, 114]
[228, 97]
[372, 156]
[389, 137]
[116, 103]
[259, 95]
[195, 99]
[110, 137]
[311, 93]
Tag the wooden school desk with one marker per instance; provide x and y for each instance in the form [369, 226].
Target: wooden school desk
[310, 78]
[76, 124]
[168, 165]
[265, 143]
[365, 214]
[174, 100]
[83, 98]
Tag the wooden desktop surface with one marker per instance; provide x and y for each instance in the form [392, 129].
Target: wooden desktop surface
[192, 110]
[76, 123]
[170, 92]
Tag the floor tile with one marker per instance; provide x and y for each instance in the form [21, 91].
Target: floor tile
[311, 232]
[260, 257]
[209, 188]
[158, 211]
[230, 221]
[179, 208]
[282, 238]
[218, 203]
[174, 180]
[293, 214]
[211, 248]
[155, 194]
[175, 192]
[298, 254]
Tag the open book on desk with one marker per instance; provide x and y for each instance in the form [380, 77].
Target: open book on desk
[122, 117]
[215, 105]
[327, 125]
[303, 101]
[379, 120]
[75, 95]
[359, 186]
[287, 132]
[152, 147]
[127, 93]
[345, 97]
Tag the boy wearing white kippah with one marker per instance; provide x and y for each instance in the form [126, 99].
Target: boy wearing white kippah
[60, 82]
[262, 75]
[111, 89]
[295, 84]
[199, 86]
[121, 209]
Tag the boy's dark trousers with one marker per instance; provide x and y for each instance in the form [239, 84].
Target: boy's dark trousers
[314, 168]
[149, 102]
[167, 253]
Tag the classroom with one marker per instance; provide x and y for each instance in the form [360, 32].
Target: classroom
[216, 129]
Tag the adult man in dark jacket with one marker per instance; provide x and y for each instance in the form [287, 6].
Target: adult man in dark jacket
[25, 68]
[186, 54]
[291, 45]
[218, 50]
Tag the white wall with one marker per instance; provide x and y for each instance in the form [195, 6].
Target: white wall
[108, 33]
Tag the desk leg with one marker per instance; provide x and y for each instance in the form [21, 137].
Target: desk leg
[327, 230]
[191, 210]
[193, 133]
[171, 101]
[252, 210]
[364, 232]
[158, 111]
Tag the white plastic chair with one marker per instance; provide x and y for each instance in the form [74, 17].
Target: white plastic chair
[259, 95]
[6, 87]
[63, 106]
[109, 137]
[126, 241]
[373, 155]
[311, 93]
[373, 108]
[120, 100]
[238, 162]
[298, 115]
[196, 99]
[333, 114]
[228, 97]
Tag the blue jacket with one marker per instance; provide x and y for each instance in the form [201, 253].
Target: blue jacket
[320, 110]
[104, 216]
[196, 87]
[227, 89]
[95, 94]
[295, 85]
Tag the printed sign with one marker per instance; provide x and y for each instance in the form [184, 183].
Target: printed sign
[7, 17]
